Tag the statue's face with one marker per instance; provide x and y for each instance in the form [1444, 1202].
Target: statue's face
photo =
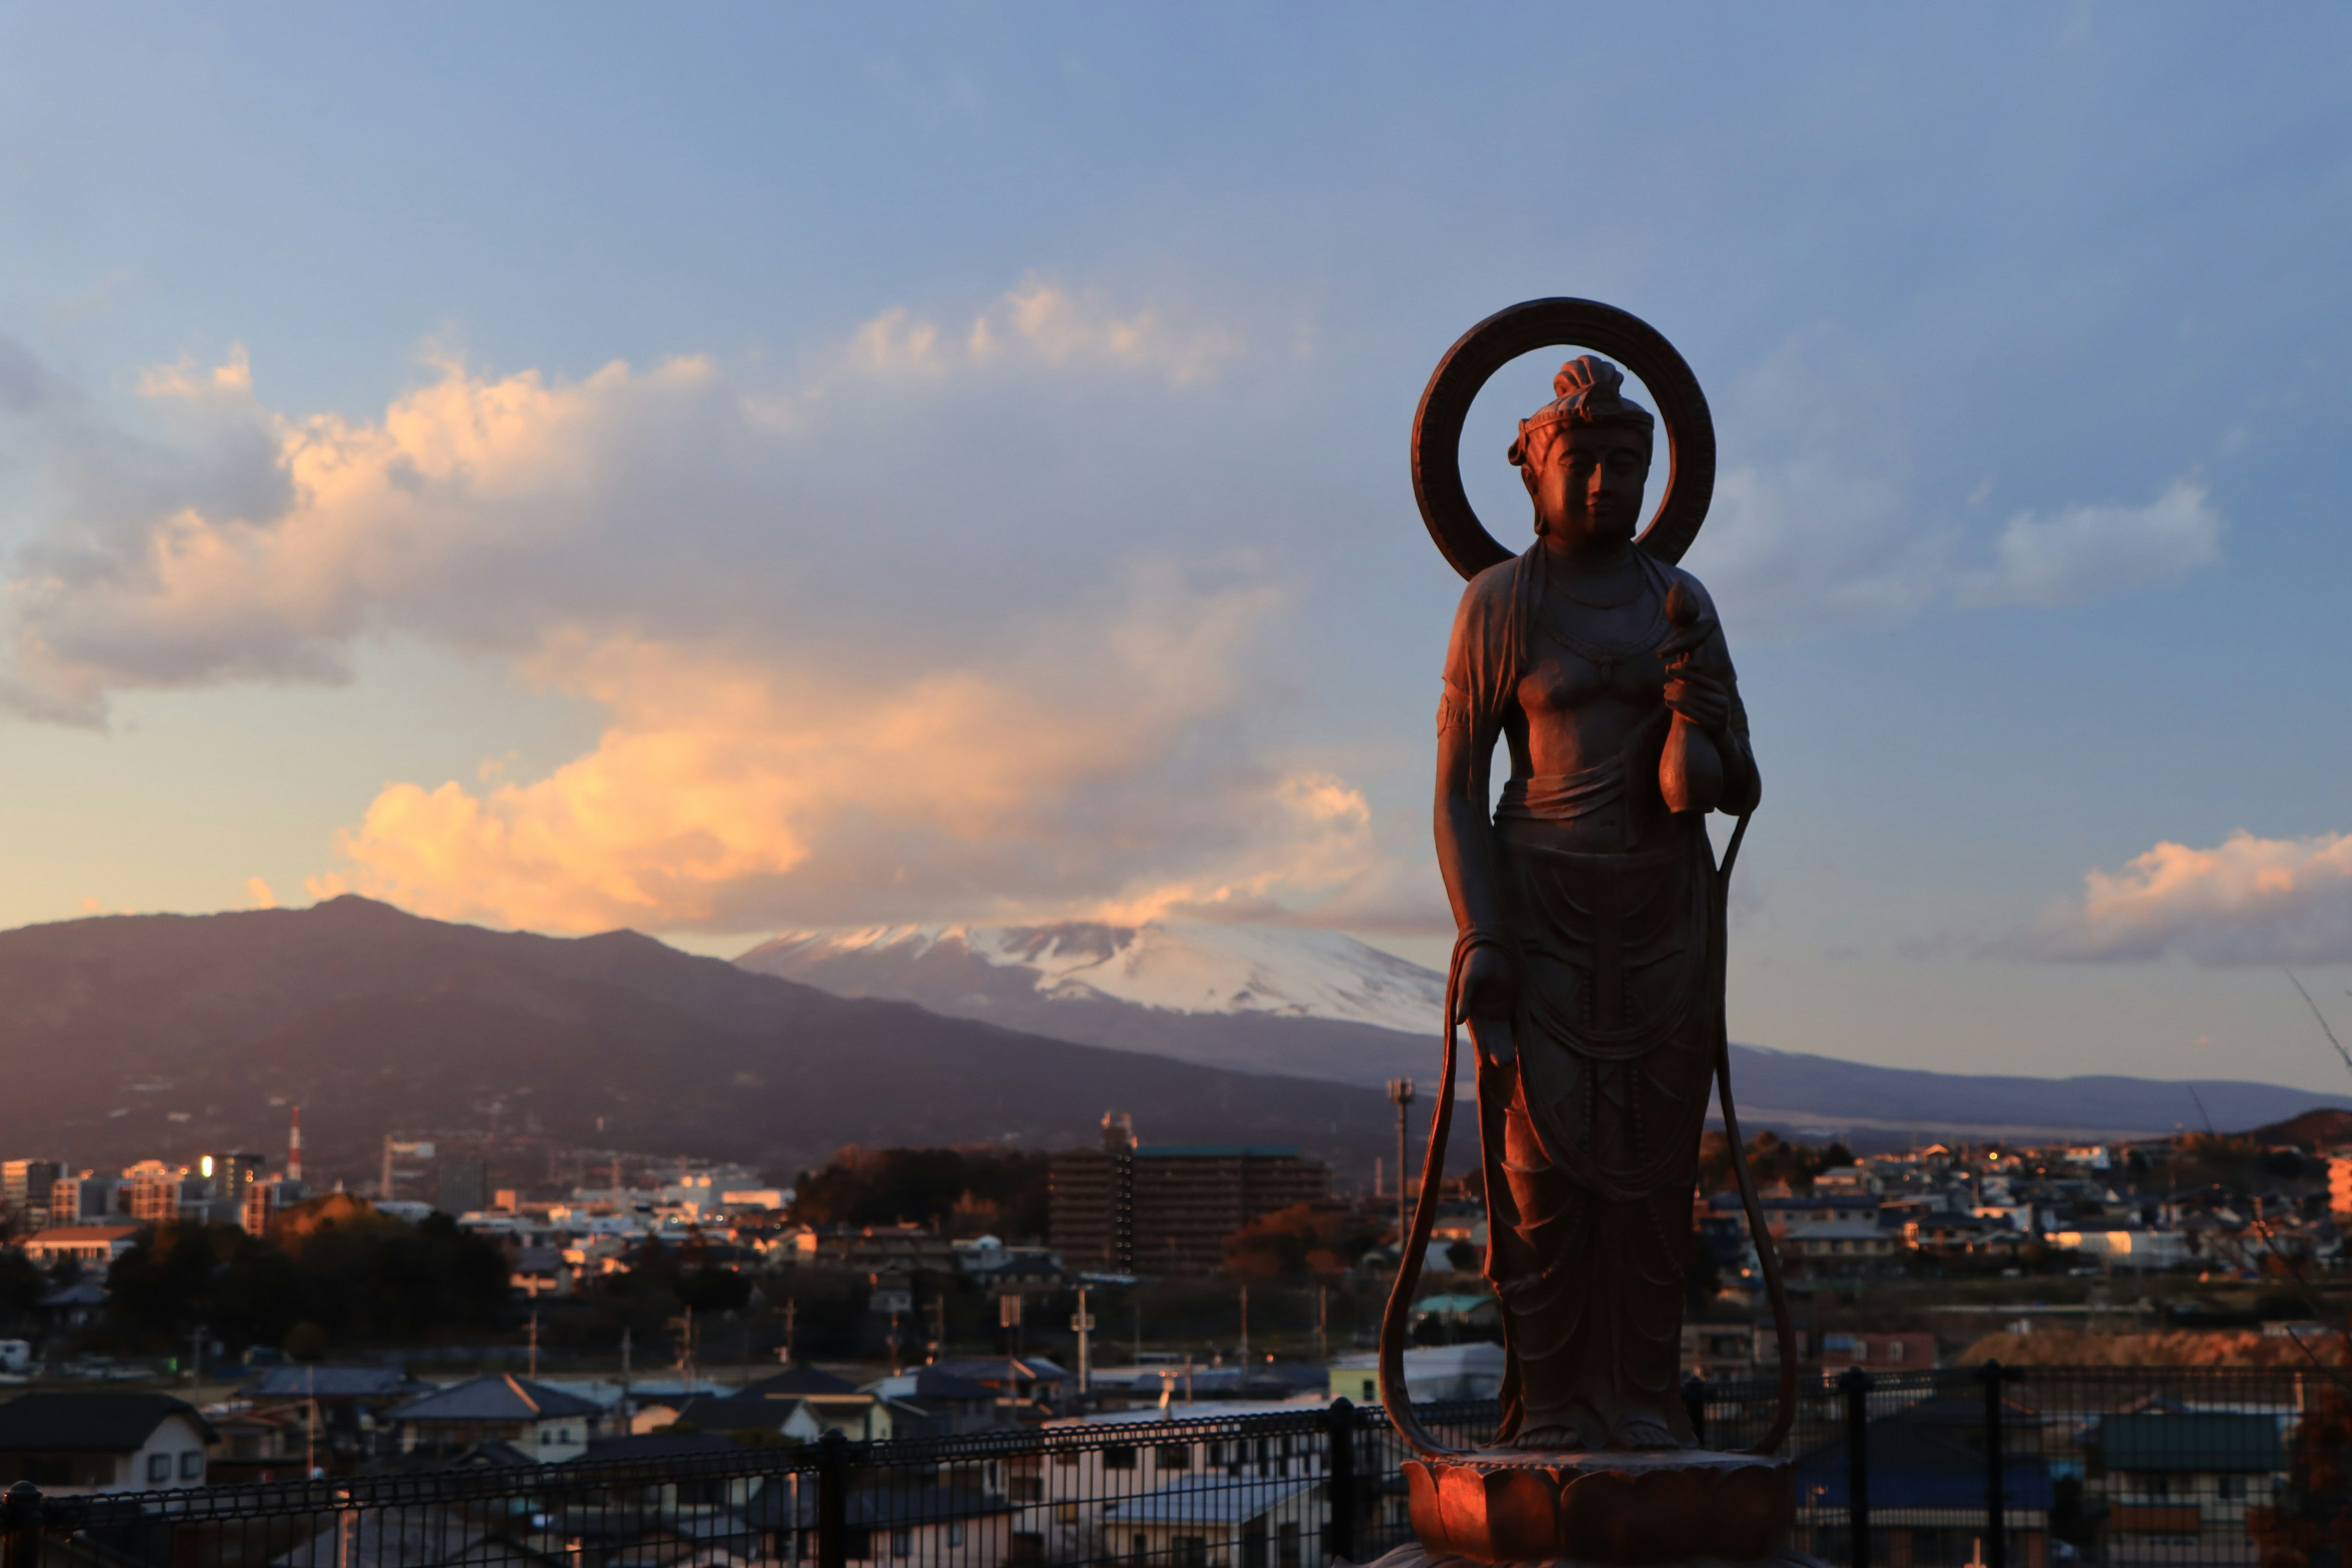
[1587, 484]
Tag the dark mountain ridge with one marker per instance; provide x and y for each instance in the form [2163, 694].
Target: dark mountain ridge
[165, 1035]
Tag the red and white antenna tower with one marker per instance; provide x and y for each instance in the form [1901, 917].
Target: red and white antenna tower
[294, 1148]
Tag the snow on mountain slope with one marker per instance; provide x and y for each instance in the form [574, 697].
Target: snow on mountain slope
[1181, 968]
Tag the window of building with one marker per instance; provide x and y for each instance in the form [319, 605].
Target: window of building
[1372, 1388]
[857, 1544]
[955, 1532]
[159, 1468]
[1192, 1551]
[1118, 1457]
[192, 1465]
[1139, 1546]
[1173, 1457]
[902, 1542]
[2234, 1488]
[1285, 1544]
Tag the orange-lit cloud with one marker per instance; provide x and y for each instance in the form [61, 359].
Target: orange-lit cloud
[729, 795]
[2245, 900]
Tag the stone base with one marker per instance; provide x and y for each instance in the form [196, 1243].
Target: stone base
[1603, 1509]
[1415, 1555]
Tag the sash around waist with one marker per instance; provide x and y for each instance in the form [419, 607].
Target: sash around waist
[1562, 797]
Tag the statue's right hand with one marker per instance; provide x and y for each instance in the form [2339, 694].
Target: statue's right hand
[1490, 987]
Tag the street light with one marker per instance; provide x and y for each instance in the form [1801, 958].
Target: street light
[1400, 1096]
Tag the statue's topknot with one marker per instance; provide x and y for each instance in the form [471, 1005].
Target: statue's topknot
[1591, 392]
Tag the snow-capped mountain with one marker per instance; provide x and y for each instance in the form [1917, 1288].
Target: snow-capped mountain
[1263, 999]
[1318, 1005]
[1187, 968]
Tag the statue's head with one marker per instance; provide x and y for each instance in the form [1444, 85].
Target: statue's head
[1585, 456]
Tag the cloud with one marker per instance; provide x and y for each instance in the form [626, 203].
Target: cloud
[858, 657]
[239, 544]
[2085, 552]
[732, 794]
[1819, 520]
[2247, 901]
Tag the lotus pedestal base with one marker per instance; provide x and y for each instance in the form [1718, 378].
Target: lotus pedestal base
[1600, 1510]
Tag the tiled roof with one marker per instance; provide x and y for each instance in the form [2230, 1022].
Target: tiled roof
[88, 1422]
[497, 1398]
[334, 1382]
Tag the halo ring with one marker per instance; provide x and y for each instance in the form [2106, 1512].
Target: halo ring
[1523, 328]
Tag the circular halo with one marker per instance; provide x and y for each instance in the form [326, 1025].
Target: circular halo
[1520, 329]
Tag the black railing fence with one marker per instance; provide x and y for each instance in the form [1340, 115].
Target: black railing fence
[2006, 1467]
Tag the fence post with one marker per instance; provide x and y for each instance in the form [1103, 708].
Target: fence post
[1695, 1406]
[1340, 1480]
[832, 1500]
[1996, 1545]
[20, 1526]
[1854, 1384]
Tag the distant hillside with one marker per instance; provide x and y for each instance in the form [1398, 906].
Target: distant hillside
[168, 1036]
[2312, 1129]
[1321, 1004]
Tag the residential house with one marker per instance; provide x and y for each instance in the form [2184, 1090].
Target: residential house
[1016, 1381]
[901, 1526]
[942, 1405]
[2178, 1481]
[544, 1425]
[1473, 1371]
[1926, 1482]
[1211, 1522]
[103, 1442]
[340, 1412]
[1902, 1351]
[1825, 1249]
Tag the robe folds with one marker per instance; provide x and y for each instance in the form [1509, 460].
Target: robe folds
[1611, 911]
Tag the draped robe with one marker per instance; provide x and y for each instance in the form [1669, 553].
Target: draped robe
[1611, 913]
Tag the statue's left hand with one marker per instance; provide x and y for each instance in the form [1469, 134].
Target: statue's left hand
[1699, 698]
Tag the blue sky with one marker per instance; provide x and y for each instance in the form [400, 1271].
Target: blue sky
[723, 470]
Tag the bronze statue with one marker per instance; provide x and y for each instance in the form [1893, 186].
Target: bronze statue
[1587, 907]
[1590, 964]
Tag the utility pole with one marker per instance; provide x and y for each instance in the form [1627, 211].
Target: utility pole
[534, 1374]
[1400, 1096]
[628, 1414]
[939, 1330]
[791, 1313]
[685, 1327]
[1323, 1324]
[1244, 1331]
[1085, 1324]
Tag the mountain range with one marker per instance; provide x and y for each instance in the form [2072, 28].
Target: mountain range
[167, 1035]
[1317, 1004]
[126, 1037]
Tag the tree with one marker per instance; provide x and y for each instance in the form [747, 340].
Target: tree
[948, 1188]
[1305, 1239]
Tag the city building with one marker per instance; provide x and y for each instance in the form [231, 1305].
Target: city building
[25, 1186]
[84, 1197]
[92, 1246]
[1169, 1209]
[154, 1191]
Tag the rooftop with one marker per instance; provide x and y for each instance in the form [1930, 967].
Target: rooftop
[502, 1398]
[88, 1422]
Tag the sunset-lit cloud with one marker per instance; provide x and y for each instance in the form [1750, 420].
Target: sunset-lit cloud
[2247, 900]
[729, 793]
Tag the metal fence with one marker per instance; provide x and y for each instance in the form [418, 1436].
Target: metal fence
[2009, 1467]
